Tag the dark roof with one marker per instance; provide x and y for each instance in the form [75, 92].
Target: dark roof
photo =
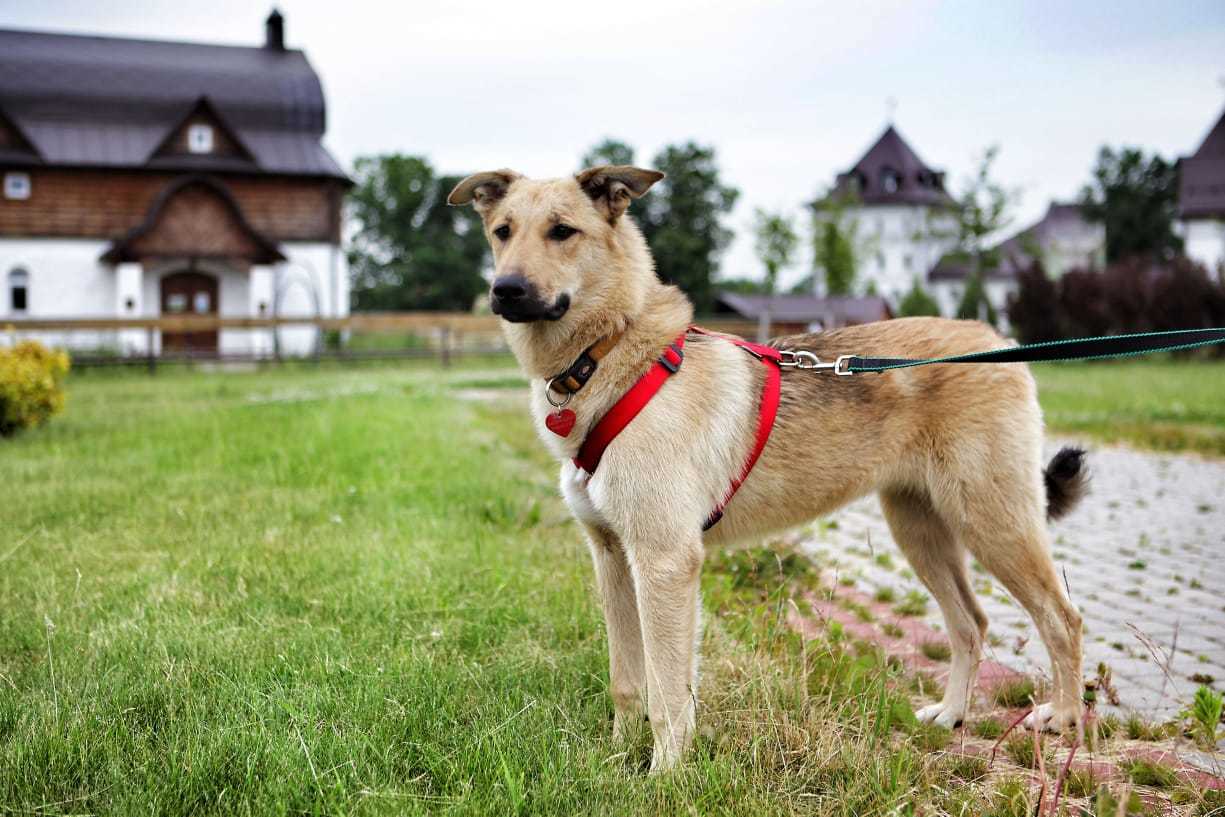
[892, 173]
[841, 310]
[1201, 185]
[1016, 253]
[110, 102]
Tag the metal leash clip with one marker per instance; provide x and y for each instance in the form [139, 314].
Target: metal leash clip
[802, 359]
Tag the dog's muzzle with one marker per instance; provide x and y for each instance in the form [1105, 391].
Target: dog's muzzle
[515, 299]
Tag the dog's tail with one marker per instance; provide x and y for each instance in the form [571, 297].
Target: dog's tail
[1067, 482]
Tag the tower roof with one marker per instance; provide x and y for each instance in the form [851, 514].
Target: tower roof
[892, 173]
[1201, 182]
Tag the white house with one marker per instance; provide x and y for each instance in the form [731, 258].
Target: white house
[900, 213]
[145, 178]
[1201, 199]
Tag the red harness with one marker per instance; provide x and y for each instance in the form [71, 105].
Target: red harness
[668, 364]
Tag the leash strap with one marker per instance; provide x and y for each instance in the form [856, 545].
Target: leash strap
[1077, 349]
[627, 408]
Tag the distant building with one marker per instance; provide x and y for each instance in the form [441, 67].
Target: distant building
[902, 216]
[1201, 199]
[145, 178]
[788, 314]
[1062, 240]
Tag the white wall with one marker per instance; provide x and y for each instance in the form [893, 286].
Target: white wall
[67, 280]
[895, 244]
[1205, 241]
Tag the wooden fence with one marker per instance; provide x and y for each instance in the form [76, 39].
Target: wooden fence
[440, 335]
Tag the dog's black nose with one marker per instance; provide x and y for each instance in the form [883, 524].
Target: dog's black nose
[510, 288]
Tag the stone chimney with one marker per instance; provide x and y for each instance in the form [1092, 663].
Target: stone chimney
[274, 32]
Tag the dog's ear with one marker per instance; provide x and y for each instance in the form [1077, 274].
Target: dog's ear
[611, 187]
[483, 190]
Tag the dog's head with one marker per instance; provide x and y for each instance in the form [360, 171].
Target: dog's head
[560, 244]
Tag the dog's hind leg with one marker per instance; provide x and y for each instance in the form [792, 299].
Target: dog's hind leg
[1010, 540]
[939, 561]
[626, 663]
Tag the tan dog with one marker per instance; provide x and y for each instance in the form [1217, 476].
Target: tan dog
[954, 451]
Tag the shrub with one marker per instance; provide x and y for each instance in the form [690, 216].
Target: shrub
[918, 302]
[31, 385]
[1134, 295]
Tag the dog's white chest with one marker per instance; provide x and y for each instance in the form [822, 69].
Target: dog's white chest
[576, 490]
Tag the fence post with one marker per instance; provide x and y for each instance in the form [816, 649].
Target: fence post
[444, 347]
[151, 333]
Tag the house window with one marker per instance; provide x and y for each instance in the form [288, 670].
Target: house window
[889, 181]
[200, 138]
[16, 185]
[19, 289]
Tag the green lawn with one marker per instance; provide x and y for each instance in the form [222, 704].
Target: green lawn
[1161, 404]
[326, 591]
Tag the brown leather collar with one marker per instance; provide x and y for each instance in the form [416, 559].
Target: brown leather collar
[575, 377]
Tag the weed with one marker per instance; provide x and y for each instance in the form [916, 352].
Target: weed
[1080, 783]
[936, 650]
[1147, 773]
[1205, 715]
[914, 604]
[967, 768]
[885, 595]
[1015, 693]
[987, 728]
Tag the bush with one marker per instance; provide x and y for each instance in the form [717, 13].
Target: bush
[918, 302]
[31, 385]
[1135, 295]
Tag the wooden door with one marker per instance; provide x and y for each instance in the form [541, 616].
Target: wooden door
[189, 293]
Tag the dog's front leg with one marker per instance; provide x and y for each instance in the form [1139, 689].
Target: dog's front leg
[667, 583]
[626, 668]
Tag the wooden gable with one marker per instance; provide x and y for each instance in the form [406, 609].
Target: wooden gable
[195, 217]
[225, 143]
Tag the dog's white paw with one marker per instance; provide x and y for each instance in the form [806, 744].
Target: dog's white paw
[1047, 718]
[941, 714]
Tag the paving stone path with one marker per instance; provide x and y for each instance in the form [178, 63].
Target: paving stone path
[1143, 557]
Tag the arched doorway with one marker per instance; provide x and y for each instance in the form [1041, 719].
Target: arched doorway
[189, 293]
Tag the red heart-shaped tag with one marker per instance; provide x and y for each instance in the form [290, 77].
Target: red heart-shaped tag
[560, 422]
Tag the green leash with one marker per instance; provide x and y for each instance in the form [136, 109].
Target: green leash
[1141, 343]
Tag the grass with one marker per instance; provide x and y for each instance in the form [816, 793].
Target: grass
[1158, 403]
[1147, 773]
[332, 591]
[913, 604]
[1015, 693]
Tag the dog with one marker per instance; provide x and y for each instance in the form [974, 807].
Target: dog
[954, 451]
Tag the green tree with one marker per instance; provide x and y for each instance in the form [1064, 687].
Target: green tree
[918, 301]
[682, 220]
[835, 244]
[744, 286]
[982, 211]
[1136, 198]
[608, 152]
[412, 251]
[775, 244]
[975, 305]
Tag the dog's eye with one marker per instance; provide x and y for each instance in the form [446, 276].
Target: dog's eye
[502, 232]
[561, 232]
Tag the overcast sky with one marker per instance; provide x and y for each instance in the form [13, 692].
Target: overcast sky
[789, 93]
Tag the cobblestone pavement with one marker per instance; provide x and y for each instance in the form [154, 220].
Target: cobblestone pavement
[1143, 557]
